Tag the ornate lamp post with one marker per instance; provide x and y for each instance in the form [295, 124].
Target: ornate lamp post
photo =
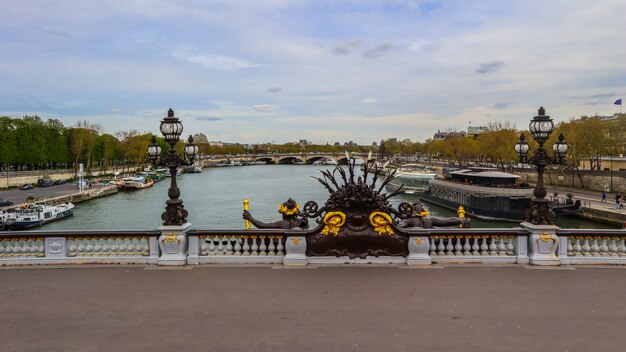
[540, 127]
[171, 128]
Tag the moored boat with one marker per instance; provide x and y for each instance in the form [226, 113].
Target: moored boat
[413, 177]
[36, 214]
[137, 182]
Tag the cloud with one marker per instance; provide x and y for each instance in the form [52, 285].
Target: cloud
[51, 31]
[264, 107]
[369, 100]
[489, 67]
[500, 106]
[116, 110]
[208, 118]
[378, 50]
[274, 89]
[216, 62]
[346, 47]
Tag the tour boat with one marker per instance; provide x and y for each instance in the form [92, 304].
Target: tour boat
[137, 182]
[486, 194]
[414, 177]
[36, 214]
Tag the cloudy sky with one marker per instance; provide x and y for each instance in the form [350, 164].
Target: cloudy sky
[277, 70]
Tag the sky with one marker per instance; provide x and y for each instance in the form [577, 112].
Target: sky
[255, 71]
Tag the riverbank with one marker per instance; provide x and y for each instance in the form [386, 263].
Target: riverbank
[58, 194]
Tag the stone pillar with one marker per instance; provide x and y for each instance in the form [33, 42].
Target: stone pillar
[418, 251]
[542, 244]
[295, 249]
[173, 244]
[193, 251]
[521, 249]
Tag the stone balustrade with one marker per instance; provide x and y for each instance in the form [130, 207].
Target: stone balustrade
[235, 247]
[80, 247]
[547, 245]
[592, 246]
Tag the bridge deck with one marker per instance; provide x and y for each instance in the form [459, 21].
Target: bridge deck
[324, 309]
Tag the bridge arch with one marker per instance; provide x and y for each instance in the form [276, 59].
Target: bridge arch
[313, 159]
[266, 159]
[290, 160]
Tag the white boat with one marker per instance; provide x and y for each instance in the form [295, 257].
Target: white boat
[36, 214]
[414, 177]
[138, 182]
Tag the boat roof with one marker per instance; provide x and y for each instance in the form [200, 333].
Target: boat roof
[489, 174]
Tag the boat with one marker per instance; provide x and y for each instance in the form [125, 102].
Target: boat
[36, 214]
[485, 193]
[156, 176]
[137, 182]
[178, 172]
[413, 177]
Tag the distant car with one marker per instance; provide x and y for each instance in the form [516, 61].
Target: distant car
[26, 186]
[44, 182]
[4, 202]
[60, 182]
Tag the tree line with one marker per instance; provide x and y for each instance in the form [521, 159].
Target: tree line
[30, 143]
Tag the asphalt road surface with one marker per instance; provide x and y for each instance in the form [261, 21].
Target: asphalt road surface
[18, 196]
[468, 308]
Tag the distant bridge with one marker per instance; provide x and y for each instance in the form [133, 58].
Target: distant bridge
[288, 158]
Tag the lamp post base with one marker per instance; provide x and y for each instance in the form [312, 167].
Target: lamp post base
[173, 244]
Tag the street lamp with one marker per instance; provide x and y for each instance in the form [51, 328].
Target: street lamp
[171, 128]
[540, 127]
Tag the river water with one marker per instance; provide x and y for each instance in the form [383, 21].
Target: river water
[214, 200]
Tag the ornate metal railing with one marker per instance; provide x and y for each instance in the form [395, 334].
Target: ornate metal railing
[62, 247]
[591, 246]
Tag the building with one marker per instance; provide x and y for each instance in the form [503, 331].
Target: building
[608, 163]
[445, 135]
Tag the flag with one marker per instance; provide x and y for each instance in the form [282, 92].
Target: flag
[618, 101]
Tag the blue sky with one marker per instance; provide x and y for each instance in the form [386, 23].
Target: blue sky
[278, 70]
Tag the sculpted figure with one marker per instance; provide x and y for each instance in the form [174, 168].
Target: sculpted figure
[420, 218]
[291, 218]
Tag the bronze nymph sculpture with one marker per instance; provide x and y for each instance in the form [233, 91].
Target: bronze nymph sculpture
[291, 218]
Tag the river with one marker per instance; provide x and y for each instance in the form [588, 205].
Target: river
[214, 200]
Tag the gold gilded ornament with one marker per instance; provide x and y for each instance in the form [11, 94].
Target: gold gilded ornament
[284, 210]
[334, 220]
[381, 222]
[546, 237]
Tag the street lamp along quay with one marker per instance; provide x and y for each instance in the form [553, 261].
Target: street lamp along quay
[541, 126]
[171, 128]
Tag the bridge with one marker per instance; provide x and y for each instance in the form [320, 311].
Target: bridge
[289, 158]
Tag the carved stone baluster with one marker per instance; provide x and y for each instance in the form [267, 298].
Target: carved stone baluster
[211, 245]
[254, 249]
[138, 246]
[595, 248]
[484, 248]
[586, 250]
[466, 246]
[237, 247]
[604, 248]
[145, 246]
[2, 248]
[493, 246]
[270, 246]
[229, 245]
[433, 246]
[578, 249]
[502, 246]
[510, 248]
[613, 250]
[262, 246]
[570, 245]
[458, 248]
[475, 246]
[246, 246]
[279, 246]
[622, 247]
[204, 246]
[89, 246]
[220, 245]
[450, 246]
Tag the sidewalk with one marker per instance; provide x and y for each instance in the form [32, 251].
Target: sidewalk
[589, 199]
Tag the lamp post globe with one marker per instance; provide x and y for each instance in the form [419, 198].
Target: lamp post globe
[154, 151]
